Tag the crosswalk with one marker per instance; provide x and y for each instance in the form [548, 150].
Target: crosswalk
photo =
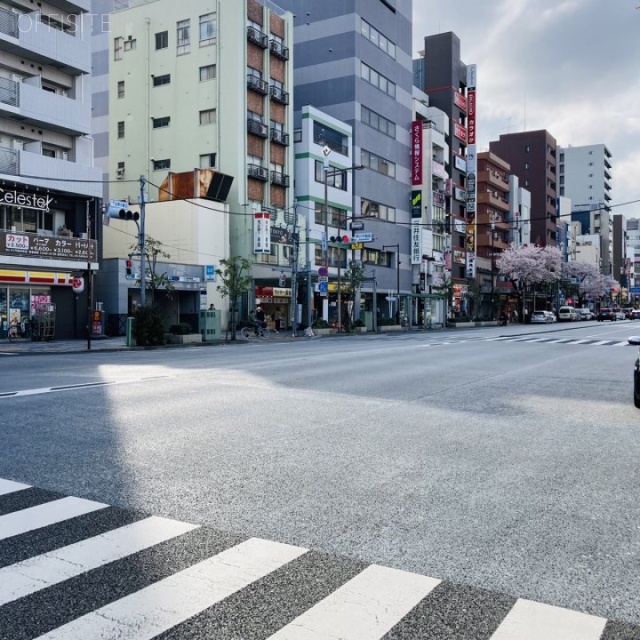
[555, 340]
[77, 569]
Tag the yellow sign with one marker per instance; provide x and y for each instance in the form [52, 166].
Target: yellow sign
[357, 245]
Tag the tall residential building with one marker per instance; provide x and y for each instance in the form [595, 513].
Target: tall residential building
[519, 212]
[633, 251]
[186, 92]
[49, 188]
[532, 156]
[450, 85]
[492, 230]
[621, 263]
[353, 62]
[584, 175]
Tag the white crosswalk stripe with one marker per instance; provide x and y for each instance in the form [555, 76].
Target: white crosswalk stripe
[365, 603]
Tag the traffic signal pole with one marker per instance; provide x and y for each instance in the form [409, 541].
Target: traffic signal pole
[141, 243]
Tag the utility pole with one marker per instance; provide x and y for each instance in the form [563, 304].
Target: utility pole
[397, 247]
[141, 242]
[89, 278]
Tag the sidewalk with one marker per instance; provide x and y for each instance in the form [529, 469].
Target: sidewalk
[62, 346]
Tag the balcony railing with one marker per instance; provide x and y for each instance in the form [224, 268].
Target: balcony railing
[9, 22]
[257, 84]
[279, 95]
[281, 179]
[9, 93]
[280, 137]
[257, 37]
[257, 128]
[278, 49]
[9, 162]
[257, 172]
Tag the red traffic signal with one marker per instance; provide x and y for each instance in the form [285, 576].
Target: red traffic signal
[340, 239]
[128, 265]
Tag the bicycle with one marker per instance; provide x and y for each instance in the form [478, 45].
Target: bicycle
[16, 331]
[248, 333]
[635, 341]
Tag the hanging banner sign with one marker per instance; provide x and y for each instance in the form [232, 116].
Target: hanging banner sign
[416, 243]
[416, 152]
[261, 233]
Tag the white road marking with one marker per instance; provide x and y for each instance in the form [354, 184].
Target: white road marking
[8, 486]
[365, 608]
[29, 576]
[530, 620]
[18, 522]
[151, 611]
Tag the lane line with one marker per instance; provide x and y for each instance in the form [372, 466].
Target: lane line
[530, 620]
[169, 602]
[18, 522]
[26, 577]
[365, 608]
[8, 486]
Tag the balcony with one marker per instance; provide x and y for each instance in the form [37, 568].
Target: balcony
[494, 199]
[439, 170]
[73, 176]
[257, 172]
[257, 128]
[28, 101]
[279, 137]
[45, 44]
[278, 178]
[278, 49]
[493, 178]
[257, 84]
[279, 95]
[257, 37]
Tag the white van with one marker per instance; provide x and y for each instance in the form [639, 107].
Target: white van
[566, 314]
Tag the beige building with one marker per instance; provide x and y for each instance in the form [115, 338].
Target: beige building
[187, 92]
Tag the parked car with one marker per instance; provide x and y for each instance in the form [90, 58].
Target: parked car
[606, 313]
[619, 314]
[551, 316]
[567, 314]
[540, 317]
[635, 314]
[585, 314]
[628, 312]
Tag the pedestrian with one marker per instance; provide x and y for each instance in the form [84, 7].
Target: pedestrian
[212, 307]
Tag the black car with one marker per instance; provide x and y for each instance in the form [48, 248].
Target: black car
[606, 314]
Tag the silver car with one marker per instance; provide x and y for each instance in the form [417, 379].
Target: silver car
[585, 314]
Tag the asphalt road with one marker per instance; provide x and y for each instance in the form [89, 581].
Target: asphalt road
[497, 459]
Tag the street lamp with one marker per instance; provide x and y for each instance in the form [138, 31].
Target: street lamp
[397, 247]
[331, 173]
[493, 267]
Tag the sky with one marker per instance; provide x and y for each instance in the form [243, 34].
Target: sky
[571, 67]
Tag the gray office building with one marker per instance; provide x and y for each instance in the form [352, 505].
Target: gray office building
[352, 60]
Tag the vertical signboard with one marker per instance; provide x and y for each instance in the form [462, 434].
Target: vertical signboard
[416, 152]
[416, 242]
[261, 233]
[472, 168]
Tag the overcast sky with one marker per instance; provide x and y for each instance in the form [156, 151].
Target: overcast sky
[569, 66]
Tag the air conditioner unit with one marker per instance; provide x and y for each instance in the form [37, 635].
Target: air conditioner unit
[129, 37]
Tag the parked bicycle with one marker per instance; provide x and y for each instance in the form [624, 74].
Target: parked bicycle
[16, 331]
[249, 333]
[635, 340]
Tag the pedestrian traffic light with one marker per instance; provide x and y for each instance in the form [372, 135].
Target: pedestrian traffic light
[128, 264]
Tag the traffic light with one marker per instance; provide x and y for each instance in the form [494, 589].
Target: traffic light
[340, 239]
[120, 210]
[128, 265]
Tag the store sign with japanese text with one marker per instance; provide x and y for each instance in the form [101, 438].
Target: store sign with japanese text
[55, 247]
[460, 132]
[416, 152]
[261, 233]
[459, 100]
[416, 243]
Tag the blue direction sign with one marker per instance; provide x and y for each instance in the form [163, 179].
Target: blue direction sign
[323, 287]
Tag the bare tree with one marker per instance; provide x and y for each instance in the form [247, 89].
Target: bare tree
[236, 280]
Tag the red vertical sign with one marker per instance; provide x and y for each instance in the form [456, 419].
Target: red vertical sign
[416, 152]
[471, 117]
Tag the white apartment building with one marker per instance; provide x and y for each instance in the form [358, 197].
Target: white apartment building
[49, 188]
[186, 92]
[519, 212]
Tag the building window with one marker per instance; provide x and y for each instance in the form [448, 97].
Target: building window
[121, 129]
[208, 116]
[376, 163]
[207, 160]
[48, 152]
[120, 171]
[161, 123]
[371, 209]
[326, 136]
[378, 122]
[334, 179]
[377, 80]
[183, 37]
[130, 44]
[121, 89]
[118, 45]
[158, 165]
[162, 40]
[527, 165]
[527, 148]
[207, 72]
[378, 39]
[208, 28]
[158, 81]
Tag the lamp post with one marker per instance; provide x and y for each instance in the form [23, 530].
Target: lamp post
[397, 247]
[493, 268]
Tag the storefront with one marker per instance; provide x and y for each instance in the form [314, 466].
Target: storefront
[276, 304]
